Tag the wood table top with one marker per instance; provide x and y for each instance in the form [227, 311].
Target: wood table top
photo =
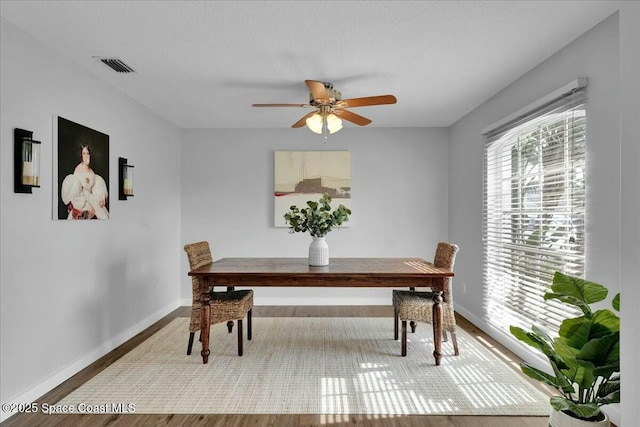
[339, 272]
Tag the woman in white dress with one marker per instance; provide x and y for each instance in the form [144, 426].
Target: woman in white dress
[84, 192]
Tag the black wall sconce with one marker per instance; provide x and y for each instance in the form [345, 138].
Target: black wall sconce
[125, 179]
[26, 161]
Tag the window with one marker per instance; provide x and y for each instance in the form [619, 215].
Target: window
[534, 209]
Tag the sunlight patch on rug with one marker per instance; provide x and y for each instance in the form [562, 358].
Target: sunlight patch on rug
[312, 366]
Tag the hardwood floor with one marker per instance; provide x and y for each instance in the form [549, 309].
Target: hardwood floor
[304, 420]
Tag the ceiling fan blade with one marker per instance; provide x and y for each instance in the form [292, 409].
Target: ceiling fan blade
[317, 90]
[370, 100]
[303, 121]
[280, 105]
[352, 117]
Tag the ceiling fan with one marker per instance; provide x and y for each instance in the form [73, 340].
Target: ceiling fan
[331, 108]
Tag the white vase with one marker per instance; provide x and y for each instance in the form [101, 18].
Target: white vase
[560, 419]
[318, 252]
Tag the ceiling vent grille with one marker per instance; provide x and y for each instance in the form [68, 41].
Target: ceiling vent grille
[117, 65]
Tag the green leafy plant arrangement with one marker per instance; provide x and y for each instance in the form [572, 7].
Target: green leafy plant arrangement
[585, 357]
[317, 218]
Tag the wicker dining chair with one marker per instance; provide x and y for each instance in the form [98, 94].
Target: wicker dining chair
[417, 306]
[225, 306]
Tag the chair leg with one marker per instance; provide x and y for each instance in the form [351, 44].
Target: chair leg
[240, 337]
[190, 345]
[396, 320]
[404, 338]
[445, 337]
[249, 324]
[455, 344]
[413, 326]
[230, 326]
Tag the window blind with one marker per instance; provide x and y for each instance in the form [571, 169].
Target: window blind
[534, 210]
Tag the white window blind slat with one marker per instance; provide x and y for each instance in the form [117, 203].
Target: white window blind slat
[534, 210]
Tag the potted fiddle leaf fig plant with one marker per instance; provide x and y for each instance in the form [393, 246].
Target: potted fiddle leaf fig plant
[318, 219]
[584, 357]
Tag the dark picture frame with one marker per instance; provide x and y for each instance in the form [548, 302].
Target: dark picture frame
[81, 190]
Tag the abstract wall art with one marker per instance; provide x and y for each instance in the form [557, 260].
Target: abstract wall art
[300, 176]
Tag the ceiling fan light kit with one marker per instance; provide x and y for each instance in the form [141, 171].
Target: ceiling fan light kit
[334, 124]
[315, 123]
[331, 108]
[324, 121]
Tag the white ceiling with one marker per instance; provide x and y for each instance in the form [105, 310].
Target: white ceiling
[201, 64]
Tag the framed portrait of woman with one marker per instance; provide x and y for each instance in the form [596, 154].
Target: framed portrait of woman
[81, 172]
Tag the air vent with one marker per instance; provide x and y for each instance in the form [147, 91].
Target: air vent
[117, 65]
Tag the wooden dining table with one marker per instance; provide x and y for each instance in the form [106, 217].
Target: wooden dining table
[340, 273]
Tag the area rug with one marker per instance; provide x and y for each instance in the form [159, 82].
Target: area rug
[311, 366]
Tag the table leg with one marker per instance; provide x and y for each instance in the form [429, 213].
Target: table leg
[412, 323]
[404, 338]
[230, 322]
[437, 326]
[205, 324]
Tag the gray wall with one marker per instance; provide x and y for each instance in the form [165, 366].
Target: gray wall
[630, 207]
[399, 201]
[82, 289]
[595, 55]
[72, 291]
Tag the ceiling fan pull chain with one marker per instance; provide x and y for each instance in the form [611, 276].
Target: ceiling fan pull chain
[325, 130]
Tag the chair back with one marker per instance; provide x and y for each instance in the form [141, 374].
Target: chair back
[446, 258]
[199, 254]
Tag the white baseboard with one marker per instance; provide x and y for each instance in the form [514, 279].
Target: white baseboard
[303, 301]
[59, 377]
